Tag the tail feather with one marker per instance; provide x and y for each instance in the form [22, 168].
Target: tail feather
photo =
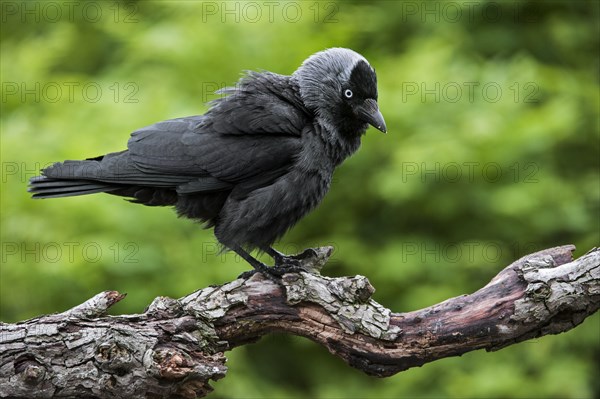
[115, 174]
[46, 187]
[48, 182]
[68, 179]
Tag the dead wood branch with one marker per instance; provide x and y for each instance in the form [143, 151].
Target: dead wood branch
[175, 347]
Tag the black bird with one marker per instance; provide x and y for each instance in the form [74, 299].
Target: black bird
[256, 162]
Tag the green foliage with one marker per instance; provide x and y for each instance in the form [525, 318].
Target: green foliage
[492, 153]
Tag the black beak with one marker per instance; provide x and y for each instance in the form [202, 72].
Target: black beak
[369, 112]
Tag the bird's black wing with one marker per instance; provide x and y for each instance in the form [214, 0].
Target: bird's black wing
[249, 138]
[261, 103]
[196, 159]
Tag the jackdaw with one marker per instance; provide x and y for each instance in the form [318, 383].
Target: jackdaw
[256, 162]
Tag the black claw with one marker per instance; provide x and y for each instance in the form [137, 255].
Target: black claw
[266, 273]
[259, 267]
[247, 274]
[280, 270]
[274, 273]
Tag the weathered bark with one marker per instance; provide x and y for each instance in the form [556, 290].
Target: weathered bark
[175, 347]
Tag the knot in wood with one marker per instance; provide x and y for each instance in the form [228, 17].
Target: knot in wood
[112, 356]
[175, 364]
[538, 291]
[171, 363]
[30, 371]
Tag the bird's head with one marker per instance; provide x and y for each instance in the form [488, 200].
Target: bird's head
[340, 87]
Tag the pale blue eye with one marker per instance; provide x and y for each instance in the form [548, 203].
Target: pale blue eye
[348, 93]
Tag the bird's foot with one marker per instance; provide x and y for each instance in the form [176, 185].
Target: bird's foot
[310, 261]
[247, 274]
[274, 273]
[259, 267]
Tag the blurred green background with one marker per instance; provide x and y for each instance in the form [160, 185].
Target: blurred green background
[492, 153]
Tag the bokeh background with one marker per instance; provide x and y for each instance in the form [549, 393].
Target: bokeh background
[492, 153]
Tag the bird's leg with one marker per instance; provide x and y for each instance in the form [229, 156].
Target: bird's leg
[255, 263]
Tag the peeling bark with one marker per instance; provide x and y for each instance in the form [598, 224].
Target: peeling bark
[176, 347]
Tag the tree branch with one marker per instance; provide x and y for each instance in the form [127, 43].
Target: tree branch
[175, 347]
